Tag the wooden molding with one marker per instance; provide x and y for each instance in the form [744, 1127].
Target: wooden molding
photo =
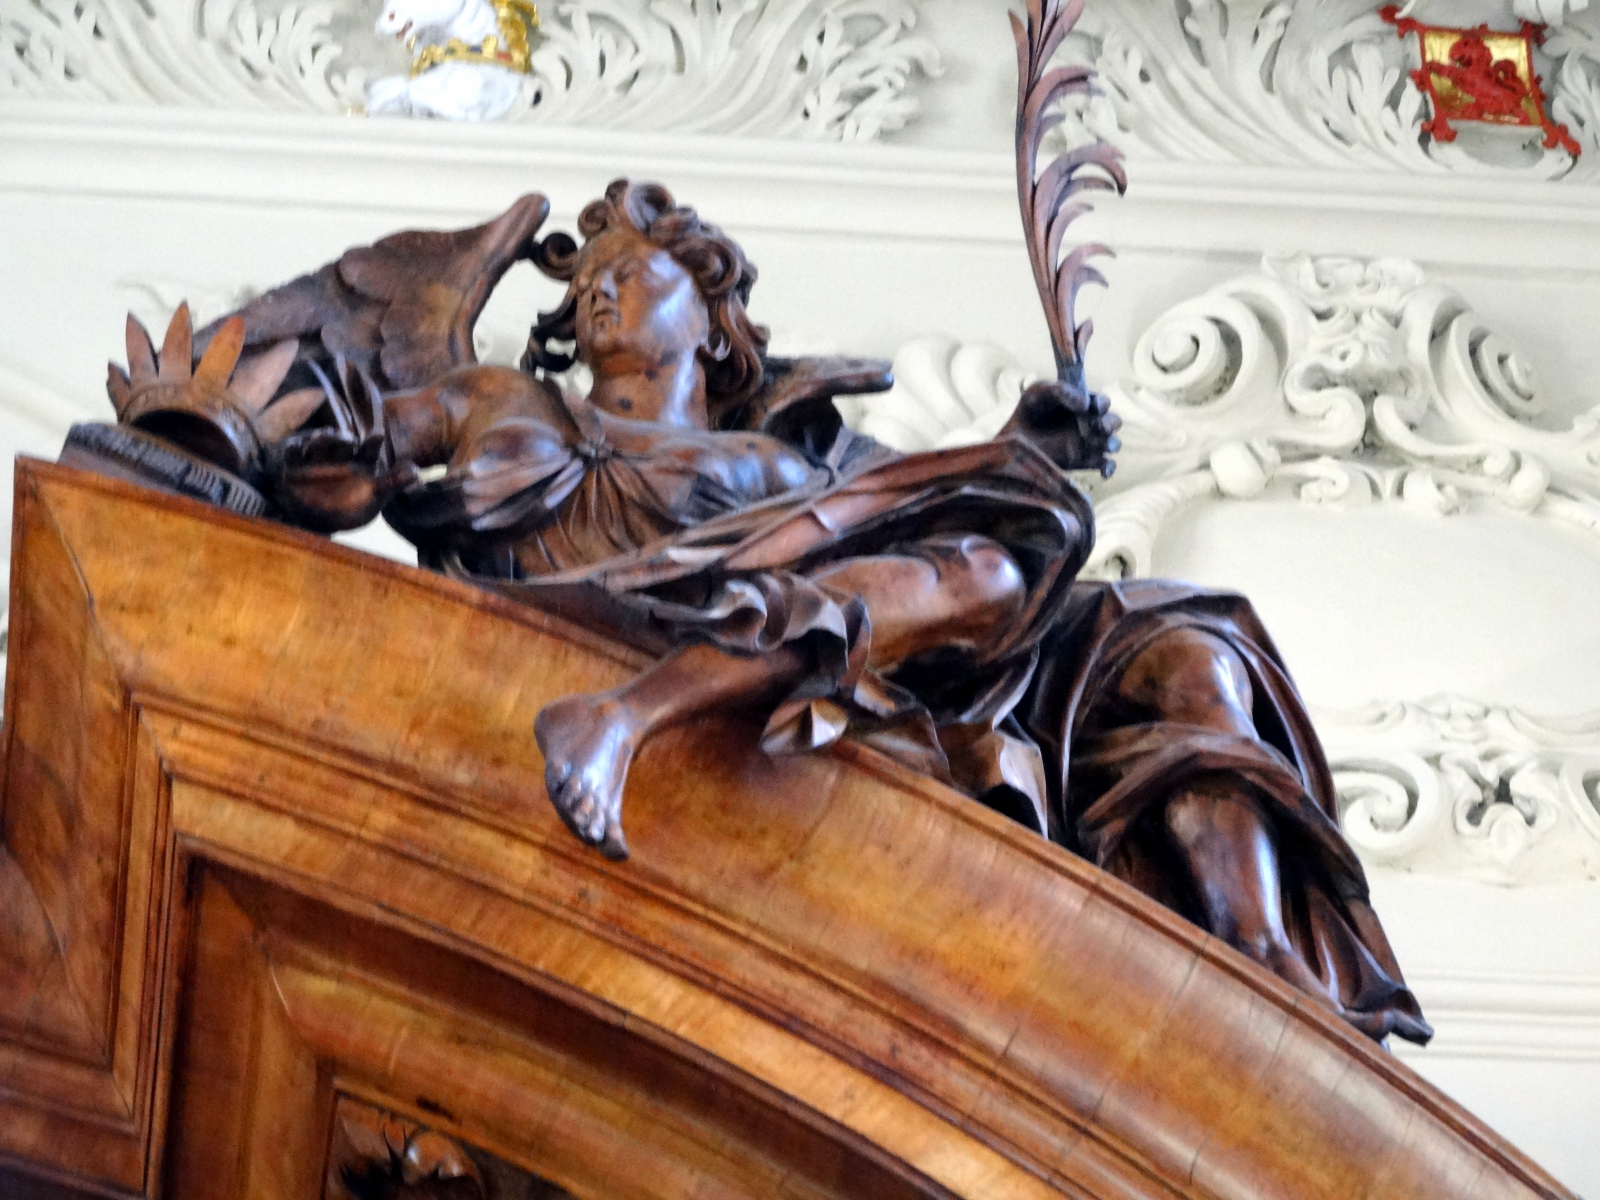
[275, 842]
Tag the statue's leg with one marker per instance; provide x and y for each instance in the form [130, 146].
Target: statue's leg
[960, 591]
[1226, 842]
[1216, 822]
[589, 740]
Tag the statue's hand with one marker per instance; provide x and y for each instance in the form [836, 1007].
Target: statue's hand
[327, 481]
[1077, 429]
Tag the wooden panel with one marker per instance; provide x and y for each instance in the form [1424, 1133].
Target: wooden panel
[250, 1104]
[292, 1000]
[84, 867]
[64, 812]
[817, 976]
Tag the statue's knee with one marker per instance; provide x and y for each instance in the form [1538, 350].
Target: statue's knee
[1193, 677]
[1185, 816]
[1187, 653]
[1213, 806]
[982, 568]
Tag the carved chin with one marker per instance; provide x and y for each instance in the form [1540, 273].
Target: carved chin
[607, 338]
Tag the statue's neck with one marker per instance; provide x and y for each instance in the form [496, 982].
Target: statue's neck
[666, 393]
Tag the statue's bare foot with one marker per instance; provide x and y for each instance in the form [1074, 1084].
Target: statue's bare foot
[588, 744]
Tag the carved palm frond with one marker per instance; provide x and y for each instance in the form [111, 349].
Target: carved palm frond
[218, 408]
[1052, 199]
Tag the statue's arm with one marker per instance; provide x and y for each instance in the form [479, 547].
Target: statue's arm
[474, 418]
[327, 481]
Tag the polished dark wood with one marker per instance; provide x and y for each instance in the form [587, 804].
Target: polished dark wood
[270, 849]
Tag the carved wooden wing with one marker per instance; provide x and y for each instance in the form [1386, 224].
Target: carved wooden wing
[399, 312]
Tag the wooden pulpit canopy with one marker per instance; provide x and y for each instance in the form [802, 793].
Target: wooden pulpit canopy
[277, 858]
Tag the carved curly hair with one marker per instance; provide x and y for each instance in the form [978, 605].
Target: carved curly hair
[735, 353]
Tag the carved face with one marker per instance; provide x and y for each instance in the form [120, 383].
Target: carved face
[639, 311]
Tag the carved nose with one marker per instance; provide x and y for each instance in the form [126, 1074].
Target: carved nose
[608, 285]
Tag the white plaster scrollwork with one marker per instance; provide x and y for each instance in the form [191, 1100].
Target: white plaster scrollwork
[197, 53]
[946, 393]
[1348, 382]
[1267, 82]
[839, 70]
[822, 69]
[1573, 86]
[1345, 381]
[1548, 12]
[1450, 786]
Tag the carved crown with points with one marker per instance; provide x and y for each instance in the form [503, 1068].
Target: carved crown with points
[218, 409]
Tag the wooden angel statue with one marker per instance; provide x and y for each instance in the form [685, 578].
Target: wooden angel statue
[705, 502]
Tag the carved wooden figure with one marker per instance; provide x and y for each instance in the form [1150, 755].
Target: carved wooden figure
[705, 503]
[379, 1156]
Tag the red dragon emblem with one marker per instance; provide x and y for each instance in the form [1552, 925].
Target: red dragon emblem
[1481, 75]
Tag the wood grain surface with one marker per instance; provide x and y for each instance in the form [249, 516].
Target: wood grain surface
[275, 842]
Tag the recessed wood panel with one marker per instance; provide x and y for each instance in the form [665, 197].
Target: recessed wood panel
[291, 1001]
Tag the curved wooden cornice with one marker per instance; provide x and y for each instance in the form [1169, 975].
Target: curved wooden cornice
[276, 845]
